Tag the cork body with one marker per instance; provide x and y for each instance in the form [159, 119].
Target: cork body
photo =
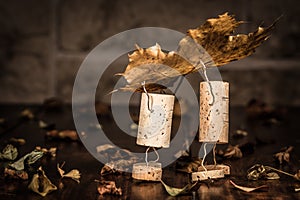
[214, 106]
[150, 172]
[155, 120]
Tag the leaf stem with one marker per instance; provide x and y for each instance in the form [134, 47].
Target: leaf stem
[280, 171]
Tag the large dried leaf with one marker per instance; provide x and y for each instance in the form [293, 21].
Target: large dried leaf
[258, 171]
[29, 158]
[284, 155]
[73, 174]
[9, 152]
[15, 174]
[211, 44]
[247, 189]
[41, 184]
[215, 36]
[179, 191]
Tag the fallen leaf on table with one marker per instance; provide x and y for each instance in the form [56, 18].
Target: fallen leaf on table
[29, 158]
[18, 141]
[272, 176]
[247, 189]
[191, 166]
[73, 174]
[65, 134]
[108, 187]
[41, 184]
[48, 152]
[297, 175]
[16, 174]
[27, 114]
[9, 152]
[256, 172]
[284, 155]
[179, 191]
[233, 152]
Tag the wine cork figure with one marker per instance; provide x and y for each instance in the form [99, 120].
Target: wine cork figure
[214, 125]
[214, 121]
[155, 120]
[154, 131]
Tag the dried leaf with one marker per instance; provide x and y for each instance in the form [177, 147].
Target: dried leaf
[178, 191]
[65, 134]
[190, 166]
[9, 152]
[30, 158]
[73, 174]
[16, 174]
[256, 172]
[48, 152]
[41, 184]
[297, 175]
[108, 187]
[157, 68]
[18, 141]
[284, 155]
[247, 189]
[27, 114]
[233, 152]
[272, 176]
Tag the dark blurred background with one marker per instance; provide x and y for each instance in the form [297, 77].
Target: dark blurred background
[43, 42]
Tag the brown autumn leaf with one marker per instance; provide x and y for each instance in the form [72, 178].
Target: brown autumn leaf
[73, 174]
[284, 155]
[172, 191]
[211, 44]
[233, 152]
[247, 189]
[9, 152]
[15, 174]
[108, 187]
[41, 184]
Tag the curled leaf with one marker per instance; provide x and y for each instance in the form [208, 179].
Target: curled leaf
[27, 114]
[48, 152]
[30, 158]
[18, 141]
[9, 152]
[256, 172]
[73, 174]
[233, 152]
[179, 191]
[65, 134]
[15, 174]
[108, 187]
[284, 155]
[247, 189]
[41, 184]
[272, 176]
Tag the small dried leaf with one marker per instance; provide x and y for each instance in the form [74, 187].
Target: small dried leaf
[178, 191]
[48, 152]
[18, 141]
[108, 168]
[65, 134]
[272, 176]
[27, 114]
[297, 175]
[284, 155]
[15, 174]
[41, 184]
[233, 152]
[256, 172]
[73, 174]
[30, 158]
[9, 152]
[108, 187]
[247, 189]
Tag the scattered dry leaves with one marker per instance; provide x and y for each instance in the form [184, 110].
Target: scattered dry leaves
[108, 187]
[73, 174]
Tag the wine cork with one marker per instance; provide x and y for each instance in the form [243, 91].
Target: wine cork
[155, 120]
[225, 168]
[150, 172]
[214, 106]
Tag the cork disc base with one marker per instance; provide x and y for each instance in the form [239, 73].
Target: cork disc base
[213, 172]
[152, 172]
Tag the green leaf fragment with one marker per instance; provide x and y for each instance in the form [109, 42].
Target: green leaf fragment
[178, 191]
[29, 158]
[9, 152]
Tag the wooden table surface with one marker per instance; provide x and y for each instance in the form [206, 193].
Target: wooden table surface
[267, 140]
